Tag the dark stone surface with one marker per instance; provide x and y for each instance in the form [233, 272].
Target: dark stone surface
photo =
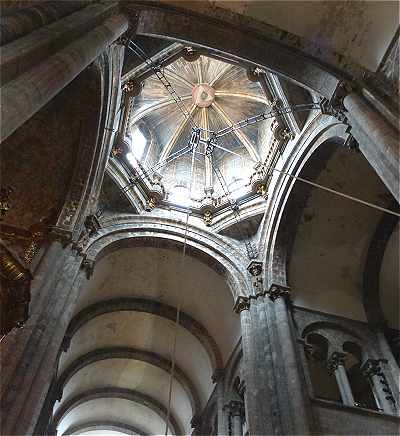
[112, 199]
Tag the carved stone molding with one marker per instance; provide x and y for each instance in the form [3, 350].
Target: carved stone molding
[156, 192]
[242, 303]
[255, 268]
[372, 368]
[274, 292]
[235, 408]
[278, 291]
[207, 207]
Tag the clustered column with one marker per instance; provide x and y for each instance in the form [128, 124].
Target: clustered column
[275, 395]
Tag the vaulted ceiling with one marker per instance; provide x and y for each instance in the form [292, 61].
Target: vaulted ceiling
[118, 364]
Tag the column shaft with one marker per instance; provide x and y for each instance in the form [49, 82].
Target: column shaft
[22, 22]
[256, 365]
[344, 385]
[378, 141]
[24, 96]
[237, 428]
[297, 396]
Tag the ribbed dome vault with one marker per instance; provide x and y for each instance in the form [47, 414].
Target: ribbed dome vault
[216, 95]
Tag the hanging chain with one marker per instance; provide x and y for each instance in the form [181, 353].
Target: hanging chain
[273, 113]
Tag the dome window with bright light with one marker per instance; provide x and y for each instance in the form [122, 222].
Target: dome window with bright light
[138, 143]
[180, 195]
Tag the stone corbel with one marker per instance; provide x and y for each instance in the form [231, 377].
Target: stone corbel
[255, 269]
[259, 179]
[92, 226]
[281, 133]
[132, 88]
[88, 266]
[207, 207]
[190, 54]
[242, 303]
[156, 193]
[335, 106]
[279, 291]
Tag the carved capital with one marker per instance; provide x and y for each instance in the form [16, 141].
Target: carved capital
[279, 291]
[132, 88]
[235, 408]
[255, 268]
[372, 367]
[190, 54]
[207, 217]
[335, 360]
[151, 204]
[242, 303]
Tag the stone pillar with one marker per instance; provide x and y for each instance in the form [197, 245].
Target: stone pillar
[25, 95]
[298, 407]
[235, 411]
[377, 139]
[276, 397]
[24, 21]
[372, 370]
[219, 378]
[28, 355]
[260, 395]
[336, 366]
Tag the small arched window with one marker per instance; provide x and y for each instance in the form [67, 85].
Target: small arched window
[360, 385]
[324, 385]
